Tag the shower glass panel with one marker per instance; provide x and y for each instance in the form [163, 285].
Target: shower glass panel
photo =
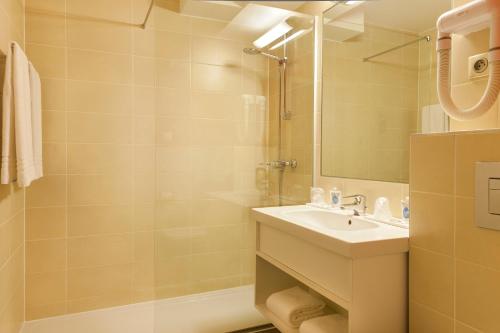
[158, 141]
[213, 129]
[211, 136]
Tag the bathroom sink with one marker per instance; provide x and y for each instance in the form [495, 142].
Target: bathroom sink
[357, 264]
[330, 220]
[337, 230]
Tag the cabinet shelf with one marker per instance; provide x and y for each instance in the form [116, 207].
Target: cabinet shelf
[278, 323]
[311, 284]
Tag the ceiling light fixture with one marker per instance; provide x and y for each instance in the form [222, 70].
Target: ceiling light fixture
[273, 34]
[288, 39]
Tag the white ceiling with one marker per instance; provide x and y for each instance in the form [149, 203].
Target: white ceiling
[227, 10]
[244, 20]
[255, 19]
[409, 15]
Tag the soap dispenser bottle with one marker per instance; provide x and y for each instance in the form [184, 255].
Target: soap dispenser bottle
[335, 198]
[405, 209]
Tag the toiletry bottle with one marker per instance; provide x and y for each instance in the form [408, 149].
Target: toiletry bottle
[405, 209]
[335, 198]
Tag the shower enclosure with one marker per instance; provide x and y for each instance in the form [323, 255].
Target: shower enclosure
[250, 121]
[159, 139]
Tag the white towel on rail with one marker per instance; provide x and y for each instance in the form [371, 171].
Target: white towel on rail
[294, 305]
[36, 120]
[18, 159]
[334, 323]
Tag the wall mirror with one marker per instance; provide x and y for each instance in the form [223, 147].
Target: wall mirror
[378, 87]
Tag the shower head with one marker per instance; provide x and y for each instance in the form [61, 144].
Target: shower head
[254, 51]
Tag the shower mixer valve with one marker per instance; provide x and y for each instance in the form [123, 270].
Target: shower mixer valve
[281, 164]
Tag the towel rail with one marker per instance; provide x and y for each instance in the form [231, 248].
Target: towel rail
[427, 38]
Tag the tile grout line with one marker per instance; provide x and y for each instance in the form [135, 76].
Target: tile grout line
[430, 308]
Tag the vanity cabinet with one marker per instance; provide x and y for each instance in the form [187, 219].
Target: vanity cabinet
[370, 287]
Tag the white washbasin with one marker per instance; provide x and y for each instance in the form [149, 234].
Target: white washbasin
[337, 230]
[331, 220]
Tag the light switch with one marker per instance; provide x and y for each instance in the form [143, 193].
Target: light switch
[487, 198]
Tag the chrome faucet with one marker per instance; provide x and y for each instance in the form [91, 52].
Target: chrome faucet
[358, 204]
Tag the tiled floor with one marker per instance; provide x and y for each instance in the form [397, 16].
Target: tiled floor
[215, 312]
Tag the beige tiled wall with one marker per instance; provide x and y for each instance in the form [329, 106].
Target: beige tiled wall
[395, 192]
[12, 250]
[454, 265]
[151, 140]
[12, 245]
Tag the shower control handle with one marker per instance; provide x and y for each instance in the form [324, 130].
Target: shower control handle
[281, 164]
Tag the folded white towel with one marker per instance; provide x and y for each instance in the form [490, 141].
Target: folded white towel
[294, 305]
[333, 323]
[18, 138]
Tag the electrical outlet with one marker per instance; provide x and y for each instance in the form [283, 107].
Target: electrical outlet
[478, 65]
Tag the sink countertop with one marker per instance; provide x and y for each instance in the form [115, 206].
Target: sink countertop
[382, 240]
